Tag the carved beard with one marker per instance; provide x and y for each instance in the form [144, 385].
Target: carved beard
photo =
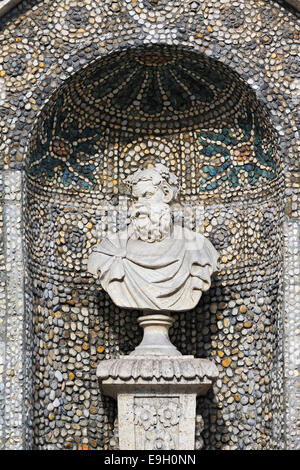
[151, 222]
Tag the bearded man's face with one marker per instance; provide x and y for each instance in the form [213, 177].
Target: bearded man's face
[150, 215]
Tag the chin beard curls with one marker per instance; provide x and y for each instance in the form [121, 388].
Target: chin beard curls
[151, 222]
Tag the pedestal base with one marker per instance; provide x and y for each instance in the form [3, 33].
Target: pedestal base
[156, 389]
[157, 420]
[156, 398]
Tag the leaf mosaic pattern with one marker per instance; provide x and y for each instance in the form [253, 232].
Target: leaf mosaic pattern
[160, 91]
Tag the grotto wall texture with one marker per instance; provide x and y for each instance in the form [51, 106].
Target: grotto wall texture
[90, 90]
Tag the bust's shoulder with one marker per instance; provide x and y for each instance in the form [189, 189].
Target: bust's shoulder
[187, 234]
[112, 240]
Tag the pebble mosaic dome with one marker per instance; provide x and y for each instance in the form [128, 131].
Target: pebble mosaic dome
[186, 103]
[94, 90]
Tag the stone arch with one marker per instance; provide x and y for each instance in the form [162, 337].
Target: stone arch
[119, 112]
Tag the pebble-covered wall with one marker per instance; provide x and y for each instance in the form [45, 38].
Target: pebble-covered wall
[117, 85]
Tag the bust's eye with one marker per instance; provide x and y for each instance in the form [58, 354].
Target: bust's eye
[148, 194]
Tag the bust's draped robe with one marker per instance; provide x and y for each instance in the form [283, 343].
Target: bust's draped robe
[169, 275]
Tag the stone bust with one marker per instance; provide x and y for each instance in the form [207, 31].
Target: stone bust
[154, 264]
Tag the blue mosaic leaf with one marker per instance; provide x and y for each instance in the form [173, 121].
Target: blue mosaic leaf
[250, 131]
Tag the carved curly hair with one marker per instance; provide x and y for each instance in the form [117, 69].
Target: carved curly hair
[158, 175]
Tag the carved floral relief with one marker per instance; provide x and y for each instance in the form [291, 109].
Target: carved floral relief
[156, 422]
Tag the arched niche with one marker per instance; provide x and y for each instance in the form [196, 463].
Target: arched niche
[194, 114]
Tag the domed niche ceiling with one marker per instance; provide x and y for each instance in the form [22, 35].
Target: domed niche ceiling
[155, 103]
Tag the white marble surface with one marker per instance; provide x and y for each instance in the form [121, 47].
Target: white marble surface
[156, 398]
[154, 264]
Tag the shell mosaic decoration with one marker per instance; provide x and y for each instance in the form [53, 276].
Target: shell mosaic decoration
[165, 92]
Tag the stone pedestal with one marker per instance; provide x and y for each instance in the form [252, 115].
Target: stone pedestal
[156, 389]
[156, 399]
